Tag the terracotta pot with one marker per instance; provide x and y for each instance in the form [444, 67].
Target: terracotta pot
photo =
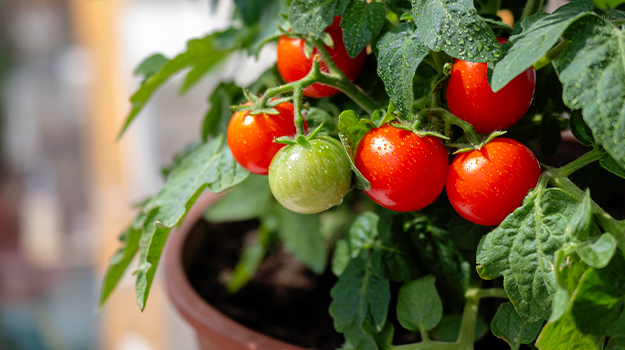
[215, 330]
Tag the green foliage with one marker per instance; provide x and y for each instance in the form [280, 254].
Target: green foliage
[592, 73]
[401, 50]
[313, 16]
[211, 166]
[250, 200]
[302, 237]
[418, 305]
[538, 35]
[351, 130]
[359, 307]
[522, 250]
[509, 326]
[455, 28]
[361, 22]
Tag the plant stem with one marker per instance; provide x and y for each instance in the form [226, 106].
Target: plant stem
[466, 338]
[580, 162]
[473, 137]
[492, 6]
[531, 7]
[551, 55]
[297, 113]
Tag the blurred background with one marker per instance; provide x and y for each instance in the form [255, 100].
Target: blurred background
[66, 185]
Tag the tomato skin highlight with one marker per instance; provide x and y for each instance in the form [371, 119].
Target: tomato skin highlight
[293, 64]
[250, 137]
[485, 186]
[471, 99]
[310, 178]
[406, 171]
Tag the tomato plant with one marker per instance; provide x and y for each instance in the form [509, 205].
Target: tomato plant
[547, 232]
[311, 176]
[471, 98]
[294, 65]
[486, 185]
[406, 171]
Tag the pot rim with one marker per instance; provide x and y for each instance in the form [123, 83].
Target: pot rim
[198, 312]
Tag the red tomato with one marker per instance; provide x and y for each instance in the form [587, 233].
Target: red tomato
[487, 185]
[250, 137]
[471, 99]
[406, 171]
[293, 64]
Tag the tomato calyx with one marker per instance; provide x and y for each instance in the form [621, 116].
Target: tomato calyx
[299, 139]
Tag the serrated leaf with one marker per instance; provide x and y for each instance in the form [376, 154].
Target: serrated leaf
[314, 16]
[363, 233]
[536, 40]
[563, 335]
[418, 304]
[599, 253]
[400, 51]
[579, 129]
[201, 55]
[455, 27]
[522, 250]
[593, 77]
[581, 222]
[218, 116]
[119, 262]
[361, 22]
[351, 130]
[392, 257]
[598, 300]
[360, 296]
[210, 166]
[249, 200]
[509, 326]
[302, 237]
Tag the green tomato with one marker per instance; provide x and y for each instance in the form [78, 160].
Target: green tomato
[311, 177]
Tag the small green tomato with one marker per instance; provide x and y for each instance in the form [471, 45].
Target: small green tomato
[311, 176]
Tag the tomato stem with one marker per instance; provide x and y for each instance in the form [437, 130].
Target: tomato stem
[297, 113]
[580, 162]
[447, 117]
[532, 7]
[551, 55]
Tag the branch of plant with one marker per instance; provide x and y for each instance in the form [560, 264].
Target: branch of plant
[447, 117]
[532, 7]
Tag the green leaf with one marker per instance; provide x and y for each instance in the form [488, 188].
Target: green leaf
[400, 52]
[581, 223]
[360, 296]
[522, 250]
[302, 237]
[593, 77]
[341, 257]
[219, 114]
[599, 253]
[201, 55]
[384, 338]
[455, 27]
[363, 233]
[361, 23]
[605, 4]
[178, 159]
[251, 257]
[252, 10]
[616, 343]
[316, 116]
[313, 16]
[120, 261]
[418, 305]
[151, 66]
[598, 300]
[509, 326]
[392, 257]
[351, 130]
[611, 165]
[250, 200]
[536, 40]
[210, 166]
[579, 129]
[563, 335]
[449, 328]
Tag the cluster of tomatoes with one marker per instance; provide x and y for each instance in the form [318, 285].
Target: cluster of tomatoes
[406, 171]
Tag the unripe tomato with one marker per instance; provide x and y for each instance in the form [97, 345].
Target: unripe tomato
[406, 171]
[250, 137]
[293, 64]
[311, 177]
[487, 185]
[471, 99]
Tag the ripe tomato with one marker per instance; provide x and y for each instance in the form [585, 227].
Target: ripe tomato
[293, 64]
[250, 137]
[406, 171]
[487, 185]
[312, 177]
[471, 99]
